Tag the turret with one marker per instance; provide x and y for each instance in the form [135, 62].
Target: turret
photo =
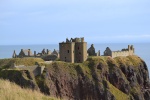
[82, 39]
[128, 47]
[132, 48]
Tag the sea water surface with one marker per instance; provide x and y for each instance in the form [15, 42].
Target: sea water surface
[141, 49]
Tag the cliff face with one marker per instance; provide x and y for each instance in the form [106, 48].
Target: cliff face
[98, 78]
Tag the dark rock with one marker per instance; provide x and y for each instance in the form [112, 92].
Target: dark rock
[109, 96]
[147, 94]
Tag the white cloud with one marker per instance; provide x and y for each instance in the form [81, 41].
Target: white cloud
[78, 16]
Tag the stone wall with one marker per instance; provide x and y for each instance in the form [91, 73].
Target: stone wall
[74, 50]
[119, 53]
[123, 52]
[36, 69]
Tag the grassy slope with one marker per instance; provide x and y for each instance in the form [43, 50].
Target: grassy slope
[129, 60]
[11, 91]
[85, 67]
[117, 93]
[5, 63]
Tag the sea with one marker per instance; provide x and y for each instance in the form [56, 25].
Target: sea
[141, 49]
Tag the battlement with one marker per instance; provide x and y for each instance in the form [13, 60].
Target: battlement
[124, 52]
[74, 40]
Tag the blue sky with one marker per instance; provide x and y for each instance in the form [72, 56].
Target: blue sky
[52, 21]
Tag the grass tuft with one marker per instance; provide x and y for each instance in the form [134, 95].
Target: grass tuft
[117, 93]
[6, 63]
[11, 91]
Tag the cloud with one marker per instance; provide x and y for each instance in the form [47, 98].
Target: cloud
[66, 10]
[109, 18]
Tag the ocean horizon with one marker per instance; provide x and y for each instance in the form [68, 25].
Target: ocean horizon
[141, 49]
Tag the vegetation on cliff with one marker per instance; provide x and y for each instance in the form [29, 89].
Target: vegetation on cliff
[105, 78]
[11, 91]
[6, 63]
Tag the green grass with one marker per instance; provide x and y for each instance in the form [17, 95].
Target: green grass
[11, 91]
[117, 93]
[86, 68]
[129, 60]
[58, 67]
[6, 63]
[136, 90]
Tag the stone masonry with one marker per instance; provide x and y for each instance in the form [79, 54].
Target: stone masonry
[123, 52]
[73, 50]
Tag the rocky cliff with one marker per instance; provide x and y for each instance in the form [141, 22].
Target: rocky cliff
[98, 78]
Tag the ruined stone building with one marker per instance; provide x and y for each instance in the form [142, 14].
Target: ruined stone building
[91, 51]
[123, 52]
[36, 69]
[52, 56]
[23, 53]
[73, 50]
[44, 54]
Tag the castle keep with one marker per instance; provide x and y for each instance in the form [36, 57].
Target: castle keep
[73, 50]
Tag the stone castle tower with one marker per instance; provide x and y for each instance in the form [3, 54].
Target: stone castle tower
[131, 49]
[73, 50]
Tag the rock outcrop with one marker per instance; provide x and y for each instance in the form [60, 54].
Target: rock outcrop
[98, 78]
[24, 78]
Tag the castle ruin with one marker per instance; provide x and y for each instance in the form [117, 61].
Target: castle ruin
[91, 51]
[123, 52]
[44, 54]
[73, 50]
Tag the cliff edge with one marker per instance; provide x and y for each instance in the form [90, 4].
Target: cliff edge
[98, 78]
